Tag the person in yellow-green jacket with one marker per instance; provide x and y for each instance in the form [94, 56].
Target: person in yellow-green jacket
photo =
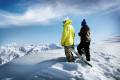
[67, 40]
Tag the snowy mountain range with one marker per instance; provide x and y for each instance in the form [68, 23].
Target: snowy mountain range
[11, 51]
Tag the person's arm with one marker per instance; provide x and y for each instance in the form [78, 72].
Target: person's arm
[73, 35]
[64, 35]
[89, 31]
[79, 34]
[88, 34]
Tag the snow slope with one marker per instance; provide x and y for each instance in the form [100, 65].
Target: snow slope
[52, 65]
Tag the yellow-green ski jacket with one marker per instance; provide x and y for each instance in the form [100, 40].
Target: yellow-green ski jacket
[68, 34]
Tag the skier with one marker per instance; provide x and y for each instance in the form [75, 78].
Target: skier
[85, 40]
[67, 40]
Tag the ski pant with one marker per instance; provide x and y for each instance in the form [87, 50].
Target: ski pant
[84, 46]
[68, 53]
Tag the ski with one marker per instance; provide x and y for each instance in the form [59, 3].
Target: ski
[81, 58]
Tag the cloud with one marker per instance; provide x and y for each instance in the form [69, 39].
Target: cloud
[37, 14]
[44, 11]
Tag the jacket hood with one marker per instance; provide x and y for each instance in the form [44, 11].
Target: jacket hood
[68, 22]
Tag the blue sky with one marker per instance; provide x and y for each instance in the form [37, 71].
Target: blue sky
[34, 21]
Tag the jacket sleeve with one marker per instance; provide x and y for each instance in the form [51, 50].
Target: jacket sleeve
[64, 35]
[88, 31]
[79, 34]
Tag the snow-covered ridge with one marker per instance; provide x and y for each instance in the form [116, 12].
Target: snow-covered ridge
[115, 39]
[52, 64]
[11, 51]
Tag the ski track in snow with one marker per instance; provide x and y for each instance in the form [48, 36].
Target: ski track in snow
[52, 65]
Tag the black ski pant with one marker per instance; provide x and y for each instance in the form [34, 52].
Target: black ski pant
[83, 48]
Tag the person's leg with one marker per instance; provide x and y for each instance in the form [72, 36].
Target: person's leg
[79, 48]
[68, 54]
[87, 51]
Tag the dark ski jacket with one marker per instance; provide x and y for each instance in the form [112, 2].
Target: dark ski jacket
[85, 34]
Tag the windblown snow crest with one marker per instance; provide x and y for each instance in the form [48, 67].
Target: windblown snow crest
[11, 51]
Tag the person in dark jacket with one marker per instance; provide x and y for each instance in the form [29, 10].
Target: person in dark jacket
[84, 34]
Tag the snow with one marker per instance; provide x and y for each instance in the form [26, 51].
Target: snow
[48, 62]
[12, 51]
